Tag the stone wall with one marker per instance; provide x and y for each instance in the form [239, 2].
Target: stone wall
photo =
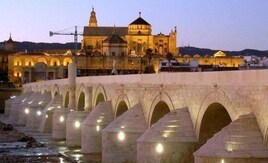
[240, 92]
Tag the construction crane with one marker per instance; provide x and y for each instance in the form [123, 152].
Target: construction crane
[75, 34]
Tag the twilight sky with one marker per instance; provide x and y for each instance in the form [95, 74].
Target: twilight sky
[216, 24]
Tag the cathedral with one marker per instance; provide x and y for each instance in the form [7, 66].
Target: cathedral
[132, 40]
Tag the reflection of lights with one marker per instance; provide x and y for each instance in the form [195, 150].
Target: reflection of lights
[77, 157]
[121, 136]
[40, 102]
[49, 108]
[229, 149]
[23, 100]
[13, 97]
[58, 107]
[38, 112]
[98, 128]
[30, 102]
[71, 110]
[122, 127]
[61, 160]
[77, 124]
[61, 118]
[159, 148]
[99, 120]
[222, 160]
[26, 111]
[46, 116]
[165, 135]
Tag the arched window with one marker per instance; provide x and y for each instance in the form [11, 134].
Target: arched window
[67, 61]
[17, 62]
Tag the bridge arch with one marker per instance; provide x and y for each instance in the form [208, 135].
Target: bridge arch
[214, 119]
[122, 105]
[266, 137]
[81, 97]
[44, 88]
[55, 90]
[160, 106]
[66, 99]
[81, 101]
[215, 98]
[99, 95]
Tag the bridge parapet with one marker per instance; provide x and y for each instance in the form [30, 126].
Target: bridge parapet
[248, 77]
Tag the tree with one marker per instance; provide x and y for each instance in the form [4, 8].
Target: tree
[169, 57]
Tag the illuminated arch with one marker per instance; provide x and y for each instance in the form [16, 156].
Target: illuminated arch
[29, 61]
[67, 61]
[161, 97]
[17, 72]
[54, 62]
[197, 56]
[42, 59]
[66, 99]
[81, 102]
[122, 105]
[216, 96]
[186, 56]
[266, 137]
[17, 61]
[215, 118]
[81, 88]
[99, 91]
[55, 91]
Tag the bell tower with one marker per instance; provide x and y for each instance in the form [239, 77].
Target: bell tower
[93, 19]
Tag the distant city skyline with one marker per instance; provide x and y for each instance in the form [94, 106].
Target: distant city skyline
[219, 25]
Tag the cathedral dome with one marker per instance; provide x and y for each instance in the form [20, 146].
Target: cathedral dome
[139, 27]
[140, 21]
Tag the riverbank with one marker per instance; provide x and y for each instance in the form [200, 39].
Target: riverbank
[12, 150]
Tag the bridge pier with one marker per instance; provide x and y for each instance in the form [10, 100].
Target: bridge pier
[171, 139]
[59, 123]
[15, 107]
[36, 108]
[24, 110]
[239, 142]
[8, 105]
[91, 130]
[46, 119]
[73, 127]
[119, 137]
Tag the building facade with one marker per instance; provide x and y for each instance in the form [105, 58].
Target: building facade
[137, 36]
[33, 67]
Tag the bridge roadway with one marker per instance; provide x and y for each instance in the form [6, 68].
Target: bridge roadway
[172, 117]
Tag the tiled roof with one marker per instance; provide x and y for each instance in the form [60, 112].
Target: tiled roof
[105, 31]
[139, 21]
[115, 39]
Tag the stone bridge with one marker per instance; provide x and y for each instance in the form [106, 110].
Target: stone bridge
[166, 117]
